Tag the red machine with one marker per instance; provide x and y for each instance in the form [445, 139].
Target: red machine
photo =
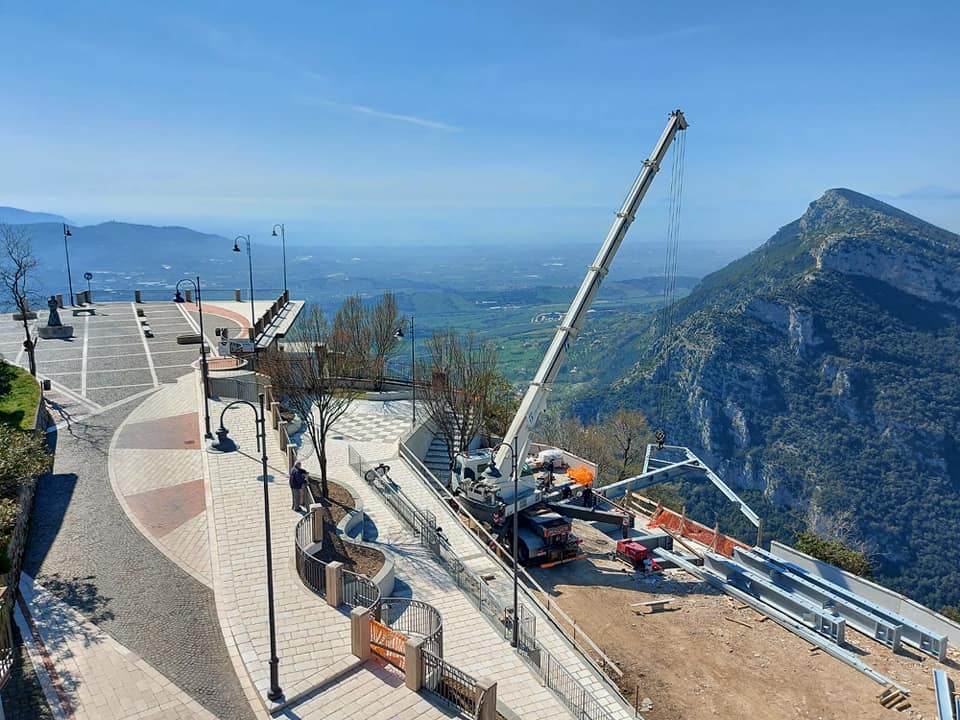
[636, 555]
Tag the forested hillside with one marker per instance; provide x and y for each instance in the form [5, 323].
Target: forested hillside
[820, 374]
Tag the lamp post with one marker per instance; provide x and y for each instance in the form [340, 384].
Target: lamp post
[66, 251]
[204, 367]
[413, 366]
[494, 473]
[253, 314]
[283, 243]
[225, 444]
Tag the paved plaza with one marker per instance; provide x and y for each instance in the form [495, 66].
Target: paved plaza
[144, 587]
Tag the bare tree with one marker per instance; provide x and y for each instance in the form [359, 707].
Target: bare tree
[309, 375]
[351, 330]
[627, 433]
[617, 444]
[17, 264]
[463, 386]
[385, 320]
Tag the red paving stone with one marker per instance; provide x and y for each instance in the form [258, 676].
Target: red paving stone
[243, 322]
[165, 509]
[180, 432]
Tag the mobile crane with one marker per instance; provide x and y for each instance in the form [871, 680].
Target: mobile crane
[541, 525]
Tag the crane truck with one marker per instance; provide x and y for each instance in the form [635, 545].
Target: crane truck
[519, 509]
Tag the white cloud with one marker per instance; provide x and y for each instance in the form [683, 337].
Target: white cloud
[373, 112]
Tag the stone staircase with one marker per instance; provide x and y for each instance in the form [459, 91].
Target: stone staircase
[437, 459]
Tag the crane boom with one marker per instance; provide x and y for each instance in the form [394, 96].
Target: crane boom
[535, 399]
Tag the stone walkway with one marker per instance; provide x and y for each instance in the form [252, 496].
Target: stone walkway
[95, 676]
[92, 557]
[156, 470]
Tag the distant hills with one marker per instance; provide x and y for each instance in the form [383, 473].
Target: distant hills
[16, 216]
[820, 375]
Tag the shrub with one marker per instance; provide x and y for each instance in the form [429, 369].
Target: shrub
[835, 553]
[22, 456]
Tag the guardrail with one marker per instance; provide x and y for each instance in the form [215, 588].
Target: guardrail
[571, 692]
[553, 611]
[360, 592]
[414, 618]
[312, 571]
[450, 684]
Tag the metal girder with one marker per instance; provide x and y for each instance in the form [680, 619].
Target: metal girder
[657, 470]
[825, 621]
[917, 636]
[780, 618]
[941, 685]
[863, 620]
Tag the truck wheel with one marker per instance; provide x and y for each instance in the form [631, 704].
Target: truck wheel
[523, 555]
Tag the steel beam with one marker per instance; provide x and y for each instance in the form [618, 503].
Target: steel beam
[865, 621]
[917, 636]
[657, 470]
[825, 621]
[941, 685]
[780, 618]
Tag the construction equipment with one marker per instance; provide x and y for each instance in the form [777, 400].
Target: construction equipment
[636, 556]
[476, 477]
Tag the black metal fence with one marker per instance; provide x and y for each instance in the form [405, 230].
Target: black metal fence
[360, 591]
[242, 387]
[414, 619]
[312, 571]
[450, 684]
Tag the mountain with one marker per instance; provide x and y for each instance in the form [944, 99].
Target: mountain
[820, 375]
[16, 216]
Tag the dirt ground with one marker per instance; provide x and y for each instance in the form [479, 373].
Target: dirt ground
[706, 656]
[356, 558]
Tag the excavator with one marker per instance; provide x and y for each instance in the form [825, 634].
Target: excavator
[519, 508]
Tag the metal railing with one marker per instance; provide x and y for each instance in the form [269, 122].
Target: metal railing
[242, 387]
[573, 694]
[414, 618]
[312, 571]
[360, 591]
[450, 684]
[424, 524]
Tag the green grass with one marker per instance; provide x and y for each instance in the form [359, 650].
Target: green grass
[19, 397]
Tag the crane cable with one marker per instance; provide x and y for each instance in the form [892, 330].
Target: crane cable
[668, 311]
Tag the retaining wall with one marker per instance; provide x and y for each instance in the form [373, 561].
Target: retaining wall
[878, 594]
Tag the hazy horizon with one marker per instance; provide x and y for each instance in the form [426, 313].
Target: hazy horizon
[428, 123]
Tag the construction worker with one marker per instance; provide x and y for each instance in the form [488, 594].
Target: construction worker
[625, 526]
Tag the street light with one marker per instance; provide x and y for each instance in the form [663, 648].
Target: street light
[224, 444]
[493, 473]
[413, 366]
[253, 314]
[66, 250]
[204, 368]
[283, 242]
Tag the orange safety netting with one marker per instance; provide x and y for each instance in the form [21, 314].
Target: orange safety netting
[581, 475]
[679, 524]
[388, 644]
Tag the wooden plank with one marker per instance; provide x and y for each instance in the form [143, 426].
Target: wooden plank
[738, 622]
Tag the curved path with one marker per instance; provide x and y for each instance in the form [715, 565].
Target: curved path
[88, 555]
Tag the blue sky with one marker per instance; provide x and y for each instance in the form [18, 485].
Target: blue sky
[411, 122]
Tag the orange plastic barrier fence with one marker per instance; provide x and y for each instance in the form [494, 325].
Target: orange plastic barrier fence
[388, 644]
[695, 531]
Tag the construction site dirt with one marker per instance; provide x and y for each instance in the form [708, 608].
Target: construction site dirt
[705, 655]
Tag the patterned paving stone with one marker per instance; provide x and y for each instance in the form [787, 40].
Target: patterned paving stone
[171, 433]
[87, 553]
[165, 509]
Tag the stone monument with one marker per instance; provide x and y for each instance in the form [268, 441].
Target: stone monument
[54, 327]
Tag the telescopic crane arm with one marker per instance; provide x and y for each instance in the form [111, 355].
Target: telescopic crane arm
[535, 399]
